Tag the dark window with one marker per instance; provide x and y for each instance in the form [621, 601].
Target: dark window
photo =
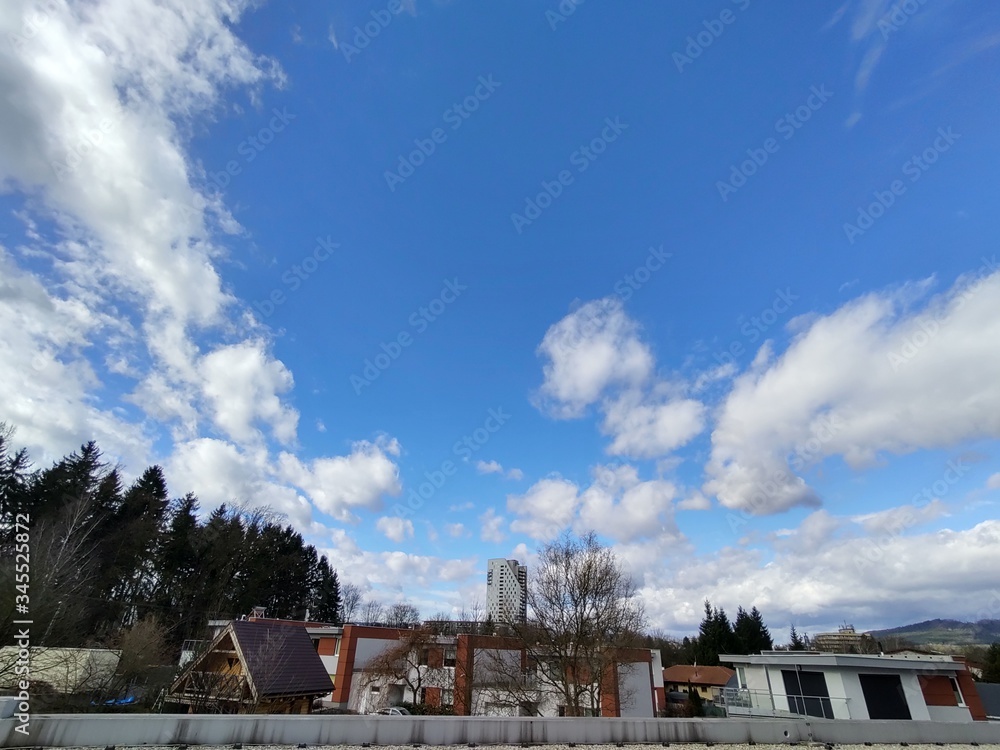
[884, 696]
[449, 657]
[807, 693]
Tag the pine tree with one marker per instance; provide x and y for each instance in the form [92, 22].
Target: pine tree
[751, 633]
[796, 643]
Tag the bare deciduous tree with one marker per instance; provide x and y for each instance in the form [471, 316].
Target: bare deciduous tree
[350, 602]
[372, 612]
[402, 614]
[414, 661]
[583, 615]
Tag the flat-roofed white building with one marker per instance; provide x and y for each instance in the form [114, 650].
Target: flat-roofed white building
[851, 686]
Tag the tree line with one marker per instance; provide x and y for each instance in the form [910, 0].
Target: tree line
[105, 555]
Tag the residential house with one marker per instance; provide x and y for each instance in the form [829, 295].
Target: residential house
[852, 686]
[708, 682]
[254, 667]
[456, 671]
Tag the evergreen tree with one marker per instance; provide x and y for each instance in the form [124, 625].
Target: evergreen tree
[796, 643]
[991, 664]
[715, 636]
[751, 634]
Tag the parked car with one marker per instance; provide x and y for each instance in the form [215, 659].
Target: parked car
[392, 711]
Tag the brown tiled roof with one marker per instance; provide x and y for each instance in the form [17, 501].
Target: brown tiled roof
[685, 673]
[280, 659]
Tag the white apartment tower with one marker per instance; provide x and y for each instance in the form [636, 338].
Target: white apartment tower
[506, 590]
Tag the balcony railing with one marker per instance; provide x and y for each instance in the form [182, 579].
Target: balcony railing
[742, 702]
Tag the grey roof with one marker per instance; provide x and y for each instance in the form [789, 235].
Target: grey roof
[281, 659]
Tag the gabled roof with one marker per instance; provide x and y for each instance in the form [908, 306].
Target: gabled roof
[685, 673]
[280, 659]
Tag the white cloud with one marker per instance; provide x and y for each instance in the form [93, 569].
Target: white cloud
[822, 577]
[491, 527]
[455, 530]
[646, 429]
[592, 349]
[897, 520]
[395, 528]
[489, 467]
[341, 484]
[993, 482]
[548, 507]
[595, 354]
[493, 467]
[617, 505]
[848, 385]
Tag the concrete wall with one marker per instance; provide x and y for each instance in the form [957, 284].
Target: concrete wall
[91, 730]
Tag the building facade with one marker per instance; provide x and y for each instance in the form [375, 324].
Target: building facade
[852, 686]
[506, 590]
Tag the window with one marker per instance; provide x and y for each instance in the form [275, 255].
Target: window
[376, 689]
[807, 693]
[741, 676]
[958, 692]
[424, 654]
[423, 695]
[336, 647]
[450, 655]
[447, 697]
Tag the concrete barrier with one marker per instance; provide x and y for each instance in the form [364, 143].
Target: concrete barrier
[98, 730]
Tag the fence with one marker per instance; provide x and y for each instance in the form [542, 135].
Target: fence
[95, 730]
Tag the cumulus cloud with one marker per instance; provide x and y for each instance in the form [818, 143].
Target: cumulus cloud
[395, 528]
[617, 504]
[124, 280]
[993, 482]
[595, 355]
[848, 384]
[588, 351]
[644, 428]
[491, 527]
[825, 577]
[341, 484]
[494, 467]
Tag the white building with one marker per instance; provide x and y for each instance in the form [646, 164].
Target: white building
[506, 590]
[851, 686]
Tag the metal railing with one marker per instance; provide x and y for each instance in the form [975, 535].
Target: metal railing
[743, 702]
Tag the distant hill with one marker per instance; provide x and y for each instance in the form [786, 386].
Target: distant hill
[946, 632]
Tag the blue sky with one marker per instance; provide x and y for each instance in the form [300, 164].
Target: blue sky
[718, 281]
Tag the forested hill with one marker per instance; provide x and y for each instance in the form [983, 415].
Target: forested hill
[104, 556]
[946, 632]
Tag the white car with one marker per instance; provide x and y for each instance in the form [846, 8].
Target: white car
[392, 711]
